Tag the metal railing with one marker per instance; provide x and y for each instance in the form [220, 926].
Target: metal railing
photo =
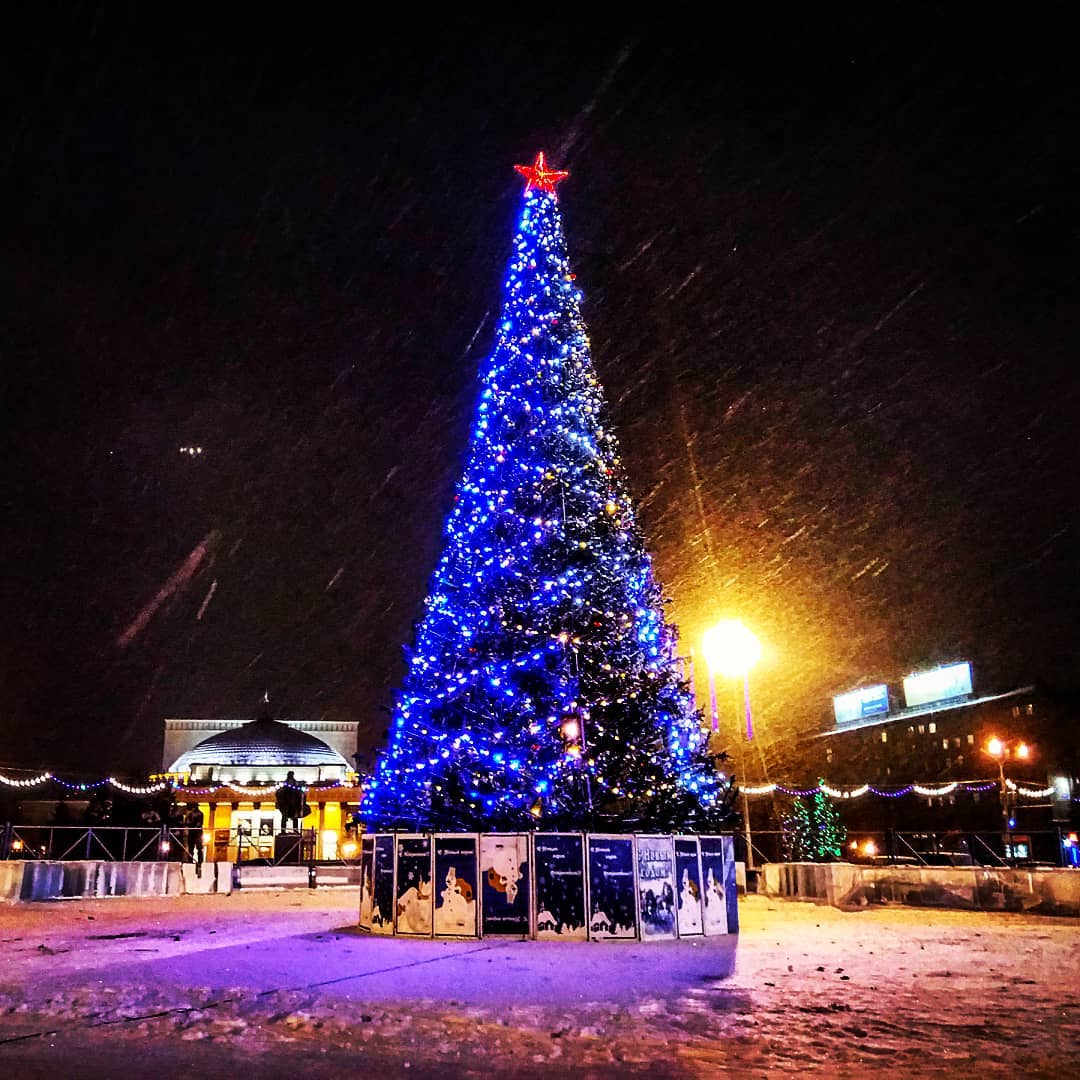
[108, 843]
[1042, 847]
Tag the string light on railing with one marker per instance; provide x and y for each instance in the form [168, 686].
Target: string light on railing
[933, 793]
[149, 789]
[80, 787]
[1031, 793]
[765, 789]
[30, 782]
[252, 791]
[927, 791]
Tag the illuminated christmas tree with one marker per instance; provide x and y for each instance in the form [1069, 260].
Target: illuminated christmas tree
[813, 832]
[543, 689]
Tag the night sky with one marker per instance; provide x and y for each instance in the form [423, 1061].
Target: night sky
[830, 272]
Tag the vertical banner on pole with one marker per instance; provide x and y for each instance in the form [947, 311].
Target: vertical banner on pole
[504, 884]
[412, 897]
[612, 891]
[367, 883]
[382, 909]
[457, 899]
[688, 885]
[714, 884]
[559, 862]
[656, 887]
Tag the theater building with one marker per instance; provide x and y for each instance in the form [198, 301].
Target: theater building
[232, 770]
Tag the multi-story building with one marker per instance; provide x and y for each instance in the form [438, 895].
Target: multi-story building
[939, 731]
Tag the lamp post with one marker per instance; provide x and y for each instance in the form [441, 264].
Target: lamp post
[732, 650]
[1000, 750]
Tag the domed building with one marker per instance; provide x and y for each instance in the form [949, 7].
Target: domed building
[233, 769]
[261, 752]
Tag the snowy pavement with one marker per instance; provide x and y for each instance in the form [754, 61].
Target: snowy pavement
[215, 986]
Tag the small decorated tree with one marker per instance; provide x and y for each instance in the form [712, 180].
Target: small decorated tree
[813, 831]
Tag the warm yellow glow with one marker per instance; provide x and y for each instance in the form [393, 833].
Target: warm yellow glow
[995, 747]
[1023, 751]
[571, 729]
[349, 849]
[16, 845]
[869, 848]
[730, 648]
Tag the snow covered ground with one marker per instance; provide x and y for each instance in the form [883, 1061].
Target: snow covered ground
[279, 984]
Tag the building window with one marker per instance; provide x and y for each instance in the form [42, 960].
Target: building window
[971, 740]
[956, 741]
[922, 729]
[959, 759]
[828, 756]
[1016, 710]
[884, 736]
[1030, 709]
[933, 727]
[944, 744]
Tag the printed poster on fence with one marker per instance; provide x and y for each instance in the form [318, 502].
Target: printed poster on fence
[688, 885]
[412, 906]
[456, 886]
[612, 899]
[367, 860]
[560, 887]
[713, 889]
[656, 887]
[730, 886]
[382, 908]
[504, 883]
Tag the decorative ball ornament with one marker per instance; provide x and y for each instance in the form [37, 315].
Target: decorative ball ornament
[539, 176]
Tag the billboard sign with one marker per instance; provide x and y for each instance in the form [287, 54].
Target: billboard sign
[859, 704]
[942, 683]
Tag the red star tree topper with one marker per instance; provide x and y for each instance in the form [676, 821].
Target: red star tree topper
[539, 176]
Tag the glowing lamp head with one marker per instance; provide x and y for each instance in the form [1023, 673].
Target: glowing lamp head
[730, 648]
[1023, 751]
[571, 729]
[870, 848]
[995, 747]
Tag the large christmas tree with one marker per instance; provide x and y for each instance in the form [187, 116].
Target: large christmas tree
[543, 689]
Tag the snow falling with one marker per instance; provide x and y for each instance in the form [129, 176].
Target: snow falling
[829, 274]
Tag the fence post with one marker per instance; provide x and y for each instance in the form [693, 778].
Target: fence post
[5, 840]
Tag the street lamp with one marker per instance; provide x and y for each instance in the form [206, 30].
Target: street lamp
[1000, 750]
[732, 650]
